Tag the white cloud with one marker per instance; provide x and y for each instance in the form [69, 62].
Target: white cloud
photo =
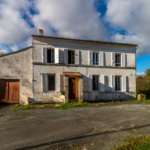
[3, 49]
[13, 28]
[140, 74]
[75, 19]
[132, 16]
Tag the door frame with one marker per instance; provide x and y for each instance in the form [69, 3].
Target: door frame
[76, 88]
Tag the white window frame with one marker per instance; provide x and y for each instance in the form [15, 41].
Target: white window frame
[95, 63]
[72, 51]
[52, 50]
[117, 83]
[116, 61]
[95, 83]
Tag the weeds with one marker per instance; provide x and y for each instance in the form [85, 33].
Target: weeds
[25, 107]
[135, 143]
[16, 105]
[67, 105]
[1, 115]
[22, 107]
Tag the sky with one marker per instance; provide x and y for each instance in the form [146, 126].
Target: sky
[84, 19]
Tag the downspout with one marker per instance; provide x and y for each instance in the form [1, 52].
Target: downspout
[135, 67]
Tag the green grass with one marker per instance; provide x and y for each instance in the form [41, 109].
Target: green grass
[68, 105]
[25, 107]
[22, 107]
[1, 115]
[16, 105]
[128, 101]
[135, 143]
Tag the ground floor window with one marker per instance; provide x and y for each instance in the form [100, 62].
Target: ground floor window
[117, 83]
[95, 83]
[51, 82]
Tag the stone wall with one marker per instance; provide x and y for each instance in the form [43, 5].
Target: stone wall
[80, 89]
[66, 88]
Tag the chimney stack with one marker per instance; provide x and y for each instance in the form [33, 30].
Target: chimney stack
[41, 32]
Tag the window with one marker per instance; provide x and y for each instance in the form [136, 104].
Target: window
[51, 82]
[50, 56]
[71, 57]
[95, 83]
[117, 83]
[117, 59]
[95, 58]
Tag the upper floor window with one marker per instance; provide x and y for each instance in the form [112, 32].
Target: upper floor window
[117, 59]
[71, 55]
[117, 83]
[95, 83]
[50, 56]
[95, 58]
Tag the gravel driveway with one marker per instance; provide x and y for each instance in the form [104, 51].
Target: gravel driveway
[87, 128]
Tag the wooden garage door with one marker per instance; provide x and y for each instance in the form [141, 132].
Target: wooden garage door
[9, 91]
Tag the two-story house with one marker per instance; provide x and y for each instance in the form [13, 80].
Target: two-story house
[57, 70]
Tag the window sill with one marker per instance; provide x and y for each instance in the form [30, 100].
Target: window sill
[82, 65]
[50, 91]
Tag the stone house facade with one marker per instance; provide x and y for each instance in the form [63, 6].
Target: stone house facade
[58, 70]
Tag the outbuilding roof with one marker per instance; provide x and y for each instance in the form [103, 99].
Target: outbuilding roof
[95, 41]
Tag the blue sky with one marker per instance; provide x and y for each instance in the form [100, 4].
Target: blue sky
[87, 19]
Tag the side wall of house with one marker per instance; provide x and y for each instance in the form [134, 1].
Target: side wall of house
[19, 66]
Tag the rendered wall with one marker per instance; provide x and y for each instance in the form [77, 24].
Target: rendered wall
[84, 69]
[39, 43]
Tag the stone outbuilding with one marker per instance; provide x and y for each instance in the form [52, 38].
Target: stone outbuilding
[59, 70]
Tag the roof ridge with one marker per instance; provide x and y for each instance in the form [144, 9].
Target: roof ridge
[86, 40]
[16, 51]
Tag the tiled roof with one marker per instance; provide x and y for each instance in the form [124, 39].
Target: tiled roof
[72, 74]
[86, 40]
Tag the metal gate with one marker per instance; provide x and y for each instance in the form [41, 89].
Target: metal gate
[9, 91]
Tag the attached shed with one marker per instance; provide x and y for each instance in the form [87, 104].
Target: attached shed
[16, 76]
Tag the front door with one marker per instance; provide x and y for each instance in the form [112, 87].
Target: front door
[73, 88]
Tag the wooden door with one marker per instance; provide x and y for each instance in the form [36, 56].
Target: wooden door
[73, 88]
[9, 91]
[76, 88]
[3, 91]
[13, 92]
